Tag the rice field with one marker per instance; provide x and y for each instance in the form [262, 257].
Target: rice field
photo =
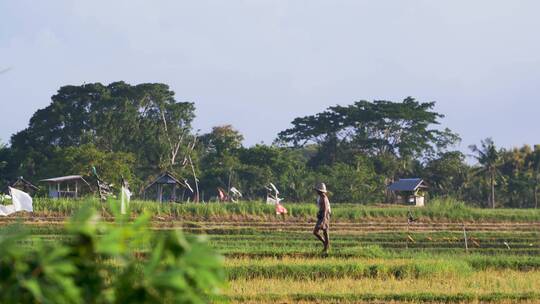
[446, 210]
[375, 256]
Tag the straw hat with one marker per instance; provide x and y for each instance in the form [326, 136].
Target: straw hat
[321, 187]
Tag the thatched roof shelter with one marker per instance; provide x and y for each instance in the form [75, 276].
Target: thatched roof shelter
[24, 185]
[160, 183]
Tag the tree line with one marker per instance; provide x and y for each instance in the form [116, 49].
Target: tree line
[139, 131]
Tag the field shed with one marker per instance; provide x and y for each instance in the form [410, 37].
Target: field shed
[70, 186]
[164, 187]
[23, 185]
[409, 190]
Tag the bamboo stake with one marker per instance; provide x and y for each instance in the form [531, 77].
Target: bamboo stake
[465, 238]
[195, 177]
[407, 239]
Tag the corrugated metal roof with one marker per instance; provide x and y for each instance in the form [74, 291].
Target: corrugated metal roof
[406, 184]
[63, 178]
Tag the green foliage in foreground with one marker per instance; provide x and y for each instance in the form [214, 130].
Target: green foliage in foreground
[439, 209]
[79, 269]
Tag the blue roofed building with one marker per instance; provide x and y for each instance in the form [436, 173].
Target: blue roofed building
[410, 191]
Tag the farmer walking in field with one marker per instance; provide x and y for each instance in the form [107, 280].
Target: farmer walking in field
[323, 216]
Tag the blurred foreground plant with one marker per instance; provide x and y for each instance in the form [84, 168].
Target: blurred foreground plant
[102, 263]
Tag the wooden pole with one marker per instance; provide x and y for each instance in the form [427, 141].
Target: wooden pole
[465, 238]
[229, 182]
[195, 177]
[407, 238]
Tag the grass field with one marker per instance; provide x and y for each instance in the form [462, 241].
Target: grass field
[375, 256]
[447, 210]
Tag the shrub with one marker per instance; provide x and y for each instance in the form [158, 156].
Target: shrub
[103, 263]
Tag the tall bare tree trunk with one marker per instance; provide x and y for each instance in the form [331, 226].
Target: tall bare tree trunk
[197, 198]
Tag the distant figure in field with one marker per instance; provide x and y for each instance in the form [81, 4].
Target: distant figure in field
[323, 216]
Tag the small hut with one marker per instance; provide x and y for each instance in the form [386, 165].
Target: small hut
[23, 185]
[70, 186]
[409, 190]
[165, 187]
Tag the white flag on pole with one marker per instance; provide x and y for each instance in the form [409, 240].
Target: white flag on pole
[125, 196]
[21, 201]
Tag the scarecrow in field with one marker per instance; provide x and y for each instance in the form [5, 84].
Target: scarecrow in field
[222, 195]
[272, 197]
[323, 216]
[125, 196]
[236, 195]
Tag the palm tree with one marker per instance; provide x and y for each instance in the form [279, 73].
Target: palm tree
[488, 158]
[533, 164]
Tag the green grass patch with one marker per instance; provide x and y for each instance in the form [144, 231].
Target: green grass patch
[449, 210]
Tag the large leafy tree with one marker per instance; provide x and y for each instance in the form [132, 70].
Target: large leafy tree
[515, 176]
[447, 174]
[5, 157]
[222, 140]
[219, 157]
[80, 160]
[354, 183]
[284, 167]
[488, 157]
[403, 129]
[144, 120]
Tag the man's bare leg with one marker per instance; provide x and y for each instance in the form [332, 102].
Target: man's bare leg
[318, 235]
[326, 240]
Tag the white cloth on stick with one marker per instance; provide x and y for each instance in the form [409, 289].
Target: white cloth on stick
[20, 200]
[236, 192]
[274, 188]
[124, 200]
[272, 201]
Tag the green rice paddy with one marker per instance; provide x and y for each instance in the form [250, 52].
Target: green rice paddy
[375, 255]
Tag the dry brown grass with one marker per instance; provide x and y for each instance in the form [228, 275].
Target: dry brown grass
[481, 283]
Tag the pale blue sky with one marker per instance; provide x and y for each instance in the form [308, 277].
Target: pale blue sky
[259, 64]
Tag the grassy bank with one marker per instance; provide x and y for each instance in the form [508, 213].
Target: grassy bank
[447, 210]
